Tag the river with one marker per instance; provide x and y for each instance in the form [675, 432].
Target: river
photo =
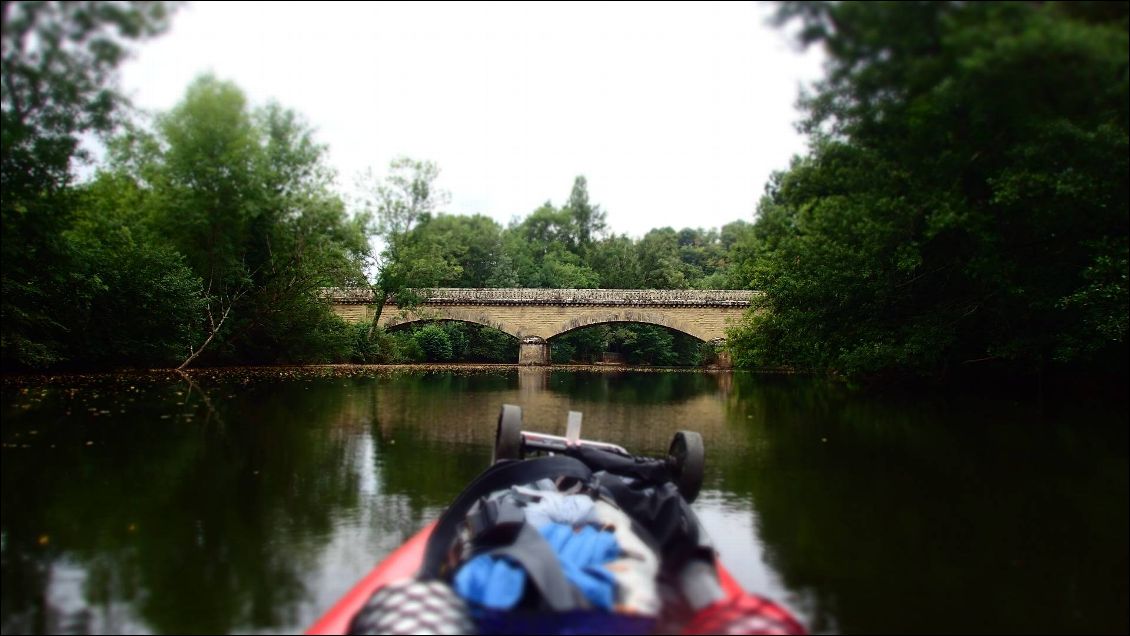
[249, 500]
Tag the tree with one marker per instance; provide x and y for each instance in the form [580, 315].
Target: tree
[644, 344]
[471, 245]
[407, 198]
[245, 196]
[588, 219]
[967, 188]
[57, 80]
[548, 229]
[660, 264]
[141, 304]
[543, 251]
[435, 342]
[617, 262]
[564, 270]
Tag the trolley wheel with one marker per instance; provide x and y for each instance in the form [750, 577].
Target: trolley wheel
[508, 436]
[687, 460]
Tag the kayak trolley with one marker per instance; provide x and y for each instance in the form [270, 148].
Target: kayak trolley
[686, 456]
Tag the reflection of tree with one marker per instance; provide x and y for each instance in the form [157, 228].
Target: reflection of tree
[429, 472]
[203, 528]
[951, 515]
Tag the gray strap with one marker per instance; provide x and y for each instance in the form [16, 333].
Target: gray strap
[531, 551]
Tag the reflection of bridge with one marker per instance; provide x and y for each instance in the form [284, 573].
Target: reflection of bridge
[639, 415]
[536, 315]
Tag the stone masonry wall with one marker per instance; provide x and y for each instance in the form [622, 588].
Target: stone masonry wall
[545, 313]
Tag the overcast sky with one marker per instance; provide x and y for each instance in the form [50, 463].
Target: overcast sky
[676, 113]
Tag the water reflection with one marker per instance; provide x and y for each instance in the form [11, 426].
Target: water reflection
[935, 515]
[139, 505]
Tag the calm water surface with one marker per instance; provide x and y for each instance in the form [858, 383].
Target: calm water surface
[249, 501]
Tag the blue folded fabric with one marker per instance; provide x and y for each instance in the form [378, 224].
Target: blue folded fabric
[498, 583]
[494, 582]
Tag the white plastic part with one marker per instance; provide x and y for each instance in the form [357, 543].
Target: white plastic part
[573, 428]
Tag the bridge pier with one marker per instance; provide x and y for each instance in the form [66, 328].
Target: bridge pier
[533, 351]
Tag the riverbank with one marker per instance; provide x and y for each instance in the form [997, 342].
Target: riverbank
[267, 372]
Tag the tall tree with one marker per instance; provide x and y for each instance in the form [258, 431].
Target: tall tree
[471, 244]
[966, 197]
[617, 262]
[142, 304]
[408, 197]
[588, 219]
[245, 196]
[57, 83]
[660, 264]
[544, 250]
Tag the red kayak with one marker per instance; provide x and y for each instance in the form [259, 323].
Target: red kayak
[402, 564]
[662, 492]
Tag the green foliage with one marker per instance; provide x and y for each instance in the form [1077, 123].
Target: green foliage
[400, 204]
[588, 219]
[545, 250]
[58, 83]
[562, 351]
[136, 302]
[58, 79]
[404, 348]
[638, 343]
[435, 342]
[581, 345]
[645, 344]
[448, 341]
[469, 246]
[363, 349]
[660, 262]
[489, 345]
[965, 199]
[617, 262]
[244, 194]
[563, 270]
[703, 354]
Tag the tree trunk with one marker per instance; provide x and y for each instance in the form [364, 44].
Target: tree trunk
[378, 308]
[215, 330]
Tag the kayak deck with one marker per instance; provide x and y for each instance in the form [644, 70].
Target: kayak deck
[403, 563]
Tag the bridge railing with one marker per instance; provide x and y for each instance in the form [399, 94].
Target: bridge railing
[527, 296]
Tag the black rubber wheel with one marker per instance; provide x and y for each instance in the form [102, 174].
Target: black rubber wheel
[508, 436]
[688, 459]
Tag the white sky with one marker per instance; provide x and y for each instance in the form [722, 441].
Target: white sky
[675, 113]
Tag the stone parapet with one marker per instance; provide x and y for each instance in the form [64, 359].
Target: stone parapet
[560, 297]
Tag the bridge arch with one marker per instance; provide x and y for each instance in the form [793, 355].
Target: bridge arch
[434, 314]
[535, 315]
[659, 318]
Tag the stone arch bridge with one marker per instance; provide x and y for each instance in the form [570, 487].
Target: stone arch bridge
[536, 315]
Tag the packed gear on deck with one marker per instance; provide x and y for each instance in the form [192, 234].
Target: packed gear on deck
[583, 541]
